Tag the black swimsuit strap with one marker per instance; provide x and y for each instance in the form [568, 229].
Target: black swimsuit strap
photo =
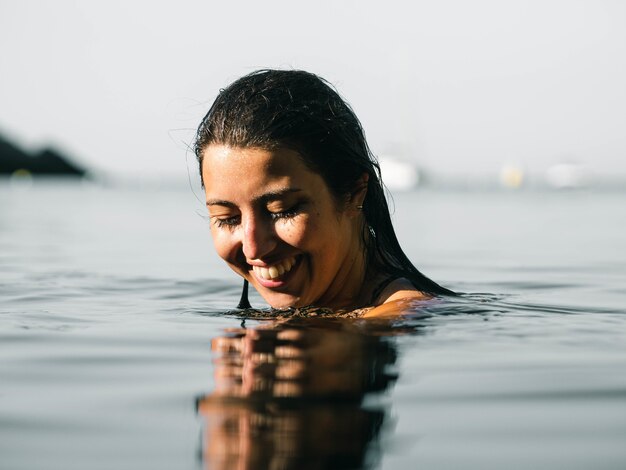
[381, 287]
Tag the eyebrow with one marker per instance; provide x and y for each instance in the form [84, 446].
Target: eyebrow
[263, 198]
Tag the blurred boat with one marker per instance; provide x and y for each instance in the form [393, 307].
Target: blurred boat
[398, 175]
[567, 176]
[512, 175]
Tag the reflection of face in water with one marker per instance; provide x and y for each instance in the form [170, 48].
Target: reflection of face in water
[290, 396]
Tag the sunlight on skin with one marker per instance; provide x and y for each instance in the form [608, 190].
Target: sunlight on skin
[400, 297]
[396, 308]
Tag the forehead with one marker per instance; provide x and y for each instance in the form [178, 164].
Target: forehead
[248, 171]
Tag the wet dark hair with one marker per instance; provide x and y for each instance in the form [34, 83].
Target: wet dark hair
[300, 111]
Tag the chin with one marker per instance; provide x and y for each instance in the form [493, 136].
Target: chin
[283, 301]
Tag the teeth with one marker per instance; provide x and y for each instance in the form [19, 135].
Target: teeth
[276, 270]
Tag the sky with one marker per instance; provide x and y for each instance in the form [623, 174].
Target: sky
[455, 86]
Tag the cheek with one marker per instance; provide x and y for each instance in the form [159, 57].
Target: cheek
[297, 232]
[224, 244]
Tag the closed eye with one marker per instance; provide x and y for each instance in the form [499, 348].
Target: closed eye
[231, 222]
[286, 214]
[228, 222]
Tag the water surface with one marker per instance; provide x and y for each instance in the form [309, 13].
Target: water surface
[120, 349]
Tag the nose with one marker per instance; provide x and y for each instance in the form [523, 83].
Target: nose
[259, 238]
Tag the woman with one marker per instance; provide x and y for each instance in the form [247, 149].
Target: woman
[295, 198]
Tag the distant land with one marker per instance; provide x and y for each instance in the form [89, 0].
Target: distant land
[47, 162]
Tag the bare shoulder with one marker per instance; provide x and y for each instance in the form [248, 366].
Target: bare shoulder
[399, 289]
[398, 297]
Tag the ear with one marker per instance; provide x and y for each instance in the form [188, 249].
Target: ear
[358, 193]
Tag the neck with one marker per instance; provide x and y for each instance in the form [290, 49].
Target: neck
[353, 286]
[346, 288]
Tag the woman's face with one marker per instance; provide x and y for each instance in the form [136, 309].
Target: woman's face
[276, 223]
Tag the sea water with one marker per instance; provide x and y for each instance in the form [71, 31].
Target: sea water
[120, 346]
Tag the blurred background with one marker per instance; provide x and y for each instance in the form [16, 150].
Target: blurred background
[512, 94]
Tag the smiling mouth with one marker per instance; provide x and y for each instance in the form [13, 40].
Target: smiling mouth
[275, 271]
